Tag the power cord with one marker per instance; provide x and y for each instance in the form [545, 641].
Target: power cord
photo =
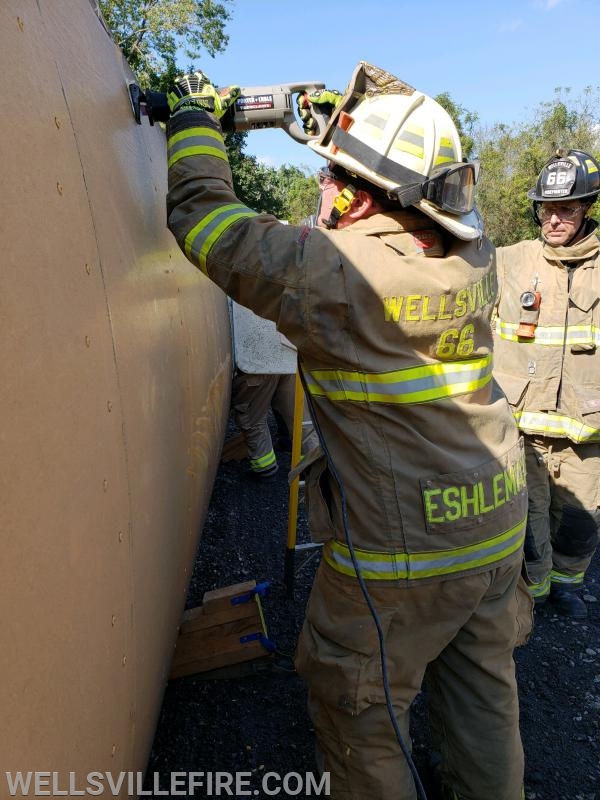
[363, 586]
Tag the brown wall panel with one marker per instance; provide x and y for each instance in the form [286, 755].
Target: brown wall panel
[116, 372]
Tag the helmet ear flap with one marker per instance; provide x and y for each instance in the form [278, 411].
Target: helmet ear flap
[534, 213]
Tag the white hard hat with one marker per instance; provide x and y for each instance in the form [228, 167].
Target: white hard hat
[404, 142]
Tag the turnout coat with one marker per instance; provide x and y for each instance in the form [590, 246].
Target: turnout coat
[423, 464]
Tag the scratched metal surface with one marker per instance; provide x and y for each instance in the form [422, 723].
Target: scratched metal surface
[116, 368]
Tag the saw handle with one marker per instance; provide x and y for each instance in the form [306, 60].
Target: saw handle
[296, 132]
[291, 125]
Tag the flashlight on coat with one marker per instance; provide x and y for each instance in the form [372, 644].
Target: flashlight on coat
[530, 313]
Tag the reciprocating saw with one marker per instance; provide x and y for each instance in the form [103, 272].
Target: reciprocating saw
[257, 107]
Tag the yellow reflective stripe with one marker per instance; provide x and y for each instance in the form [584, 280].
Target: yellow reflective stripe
[566, 580]
[554, 335]
[556, 425]
[263, 461]
[196, 151]
[193, 142]
[410, 140]
[413, 566]
[193, 132]
[540, 589]
[205, 233]
[421, 384]
[407, 147]
[446, 152]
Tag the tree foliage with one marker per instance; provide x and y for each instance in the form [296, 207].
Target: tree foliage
[150, 32]
[300, 192]
[256, 185]
[287, 192]
[464, 120]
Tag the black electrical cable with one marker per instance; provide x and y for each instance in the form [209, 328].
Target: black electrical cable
[363, 586]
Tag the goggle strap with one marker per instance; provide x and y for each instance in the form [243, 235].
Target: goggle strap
[407, 195]
[376, 162]
[413, 186]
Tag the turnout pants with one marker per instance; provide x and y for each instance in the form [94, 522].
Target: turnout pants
[563, 481]
[251, 398]
[461, 632]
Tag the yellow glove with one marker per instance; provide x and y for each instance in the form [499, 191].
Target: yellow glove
[194, 91]
[326, 99]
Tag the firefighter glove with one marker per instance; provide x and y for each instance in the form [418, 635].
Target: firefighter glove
[325, 99]
[194, 91]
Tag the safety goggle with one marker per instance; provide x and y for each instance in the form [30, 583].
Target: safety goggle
[453, 188]
[547, 211]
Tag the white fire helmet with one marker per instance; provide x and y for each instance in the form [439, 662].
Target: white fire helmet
[404, 142]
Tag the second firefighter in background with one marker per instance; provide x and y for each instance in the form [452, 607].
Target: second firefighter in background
[547, 361]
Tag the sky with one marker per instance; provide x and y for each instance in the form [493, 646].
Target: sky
[497, 59]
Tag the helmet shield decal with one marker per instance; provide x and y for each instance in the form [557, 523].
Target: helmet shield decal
[572, 175]
[558, 179]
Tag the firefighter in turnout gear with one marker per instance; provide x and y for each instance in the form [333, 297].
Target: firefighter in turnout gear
[420, 496]
[252, 395]
[547, 361]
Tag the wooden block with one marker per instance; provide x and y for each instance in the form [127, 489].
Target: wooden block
[209, 635]
[204, 621]
[221, 598]
[253, 650]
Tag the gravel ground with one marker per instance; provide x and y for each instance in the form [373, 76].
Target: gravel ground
[257, 723]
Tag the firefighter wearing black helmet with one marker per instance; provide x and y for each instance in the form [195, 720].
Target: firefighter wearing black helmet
[547, 360]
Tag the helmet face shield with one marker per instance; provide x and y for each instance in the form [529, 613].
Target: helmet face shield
[453, 188]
